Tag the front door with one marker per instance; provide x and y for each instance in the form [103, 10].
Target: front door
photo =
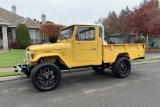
[1, 41]
[85, 45]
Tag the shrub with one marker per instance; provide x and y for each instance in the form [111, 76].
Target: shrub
[40, 43]
[52, 40]
[14, 45]
[22, 36]
[112, 42]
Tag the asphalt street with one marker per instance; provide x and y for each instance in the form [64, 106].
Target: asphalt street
[89, 89]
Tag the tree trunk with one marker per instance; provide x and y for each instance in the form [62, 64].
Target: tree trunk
[126, 39]
[147, 43]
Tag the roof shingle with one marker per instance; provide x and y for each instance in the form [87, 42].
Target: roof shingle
[9, 16]
[14, 19]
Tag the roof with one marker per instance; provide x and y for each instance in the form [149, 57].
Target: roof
[9, 16]
[11, 19]
[88, 24]
[27, 21]
[3, 22]
[84, 24]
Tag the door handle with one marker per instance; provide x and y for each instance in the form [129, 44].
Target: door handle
[93, 48]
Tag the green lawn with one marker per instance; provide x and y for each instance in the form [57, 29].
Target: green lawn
[12, 57]
[11, 73]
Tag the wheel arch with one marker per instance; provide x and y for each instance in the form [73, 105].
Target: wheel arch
[51, 58]
[125, 54]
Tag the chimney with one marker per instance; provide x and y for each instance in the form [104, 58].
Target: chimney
[14, 9]
[43, 18]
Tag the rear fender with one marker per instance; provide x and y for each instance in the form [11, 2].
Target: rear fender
[123, 55]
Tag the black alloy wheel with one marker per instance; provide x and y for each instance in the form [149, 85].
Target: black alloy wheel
[122, 67]
[46, 76]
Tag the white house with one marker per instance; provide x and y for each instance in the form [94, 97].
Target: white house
[10, 20]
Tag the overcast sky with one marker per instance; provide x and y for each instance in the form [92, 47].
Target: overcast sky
[68, 11]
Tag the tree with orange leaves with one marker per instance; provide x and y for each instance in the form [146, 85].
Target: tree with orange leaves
[51, 30]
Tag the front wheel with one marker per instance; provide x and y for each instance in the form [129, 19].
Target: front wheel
[122, 67]
[46, 76]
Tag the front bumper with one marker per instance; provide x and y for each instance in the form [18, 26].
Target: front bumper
[22, 69]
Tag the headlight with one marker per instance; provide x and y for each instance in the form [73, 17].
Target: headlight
[30, 55]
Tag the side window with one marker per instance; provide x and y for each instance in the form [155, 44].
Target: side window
[100, 32]
[85, 34]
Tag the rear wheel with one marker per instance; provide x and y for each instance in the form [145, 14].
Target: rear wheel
[98, 68]
[122, 67]
[46, 76]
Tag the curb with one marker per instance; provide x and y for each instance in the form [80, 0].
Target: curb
[145, 62]
[9, 78]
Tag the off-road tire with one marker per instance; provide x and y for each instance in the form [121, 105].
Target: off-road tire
[121, 67]
[45, 73]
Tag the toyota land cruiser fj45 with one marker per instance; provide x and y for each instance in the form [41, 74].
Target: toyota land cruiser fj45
[78, 46]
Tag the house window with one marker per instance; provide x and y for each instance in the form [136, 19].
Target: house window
[14, 34]
[31, 35]
[34, 35]
[37, 34]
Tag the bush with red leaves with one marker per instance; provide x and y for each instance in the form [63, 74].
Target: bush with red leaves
[14, 45]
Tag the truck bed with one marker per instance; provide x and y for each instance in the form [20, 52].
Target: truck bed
[132, 51]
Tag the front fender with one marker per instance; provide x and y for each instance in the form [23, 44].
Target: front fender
[37, 57]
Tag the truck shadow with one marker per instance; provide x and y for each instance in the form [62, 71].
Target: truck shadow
[83, 79]
[89, 77]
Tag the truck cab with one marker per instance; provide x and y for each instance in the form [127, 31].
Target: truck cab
[79, 45]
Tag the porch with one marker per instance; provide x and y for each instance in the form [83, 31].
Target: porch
[5, 37]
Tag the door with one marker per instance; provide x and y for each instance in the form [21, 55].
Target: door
[85, 45]
[1, 41]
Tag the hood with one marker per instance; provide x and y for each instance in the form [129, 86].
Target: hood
[55, 46]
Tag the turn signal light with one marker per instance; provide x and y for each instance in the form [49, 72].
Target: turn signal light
[32, 55]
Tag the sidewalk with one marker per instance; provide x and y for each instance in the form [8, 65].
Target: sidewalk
[3, 50]
[6, 69]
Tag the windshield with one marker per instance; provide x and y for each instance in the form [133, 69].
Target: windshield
[66, 33]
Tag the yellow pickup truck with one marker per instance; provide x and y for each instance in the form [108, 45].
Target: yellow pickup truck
[79, 45]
